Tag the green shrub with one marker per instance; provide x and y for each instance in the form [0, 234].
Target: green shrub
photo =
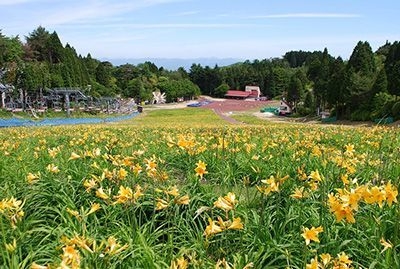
[396, 110]
[360, 115]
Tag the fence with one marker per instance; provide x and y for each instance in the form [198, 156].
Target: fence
[16, 122]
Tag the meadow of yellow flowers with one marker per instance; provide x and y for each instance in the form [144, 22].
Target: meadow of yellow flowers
[271, 196]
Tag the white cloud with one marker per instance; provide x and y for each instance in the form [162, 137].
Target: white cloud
[306, 15]
[87, 11]
[187, 25]
[187, 13]
[13, 2]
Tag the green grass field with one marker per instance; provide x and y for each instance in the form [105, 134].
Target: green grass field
[184, 189]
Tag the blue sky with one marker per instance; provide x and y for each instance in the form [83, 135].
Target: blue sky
[252, 29]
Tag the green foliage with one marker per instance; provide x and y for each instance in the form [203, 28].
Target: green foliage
[362, 59]
[383, 103]
[207, 79]
[381, 82]
[297, 58]
[103, 74]
[360, 115]
[396, 110]
[295, 89]
[221, 90]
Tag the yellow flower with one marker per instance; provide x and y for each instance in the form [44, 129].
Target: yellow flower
[340, 210]
[138, 192]
[89, 184]
[80, 241]
[37, 266]
[95, 207]
[101, 194]
[326, 258]
[12, 209]
[73, 213]
[137, 169]
[173, 191]
[311, 234]
[95, 165]
[345, 179]
[391, 193]
[53, 169]
[272, 184]
[299, 193]
[53, 152]
[74, 156]
[314, 264]
[31, 178]
[385, 244]
[315, 176]
[349, 149]
[127, 161]
[124, 195]
[301, 174]
[201, 169]
[71, 257]
[150, 164]
[11, 247]
[122, 173]
[374, 195]
[184, 200]
[236, 224]
[161, 204]
[223, 263]
[180, 263]
[227, 202]
[113, 247]
[343, 260]
[212, 228]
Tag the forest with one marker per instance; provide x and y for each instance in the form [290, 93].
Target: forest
[364, 87]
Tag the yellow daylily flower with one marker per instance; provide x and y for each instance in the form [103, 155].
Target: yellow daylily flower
[386, 244]
[101, 194]
[212, 228]
[31, 178]
[95, 207]
[227, 202]
[74, 156]
[236, 224]
[184, 200]
[201, 169]
[311, 234]
[53, 168]
[179, 263]
[161, 204]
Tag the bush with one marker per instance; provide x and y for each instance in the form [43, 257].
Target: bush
[396, 110]
[360, 115]
[382, 103]
[305, 111]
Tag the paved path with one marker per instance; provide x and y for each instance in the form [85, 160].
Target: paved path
[225, 117]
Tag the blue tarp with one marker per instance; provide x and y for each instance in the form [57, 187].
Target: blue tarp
[15, 122]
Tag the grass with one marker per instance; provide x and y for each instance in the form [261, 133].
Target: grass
[134, 194]
[190, 117]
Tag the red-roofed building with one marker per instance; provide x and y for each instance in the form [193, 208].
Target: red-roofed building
[237, 94]
[249, 92]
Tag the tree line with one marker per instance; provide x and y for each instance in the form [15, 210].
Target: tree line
[41, 62]
[366, 86]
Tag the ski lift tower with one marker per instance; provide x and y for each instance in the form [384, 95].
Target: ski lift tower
[68, 92]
